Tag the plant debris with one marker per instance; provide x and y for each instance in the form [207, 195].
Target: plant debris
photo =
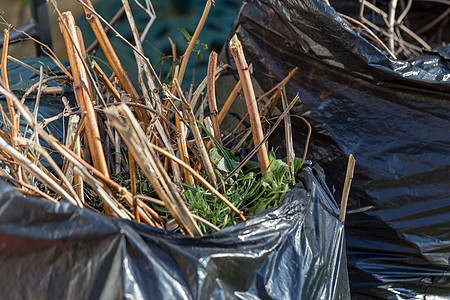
[151, 153]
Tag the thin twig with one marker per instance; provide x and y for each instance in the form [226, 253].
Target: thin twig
[347, 184]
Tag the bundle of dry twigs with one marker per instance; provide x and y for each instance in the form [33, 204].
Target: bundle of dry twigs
[395, 28]
[150, 156]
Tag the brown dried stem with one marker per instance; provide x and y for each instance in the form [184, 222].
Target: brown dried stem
[347, 184]
[193, 40]
[250, 100]
[230, 100]
[112, 58]
[131, 133]
[105, 80]
[182, 147]
[196, 133]
[211, 83]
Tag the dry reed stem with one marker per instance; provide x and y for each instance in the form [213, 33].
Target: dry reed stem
[80, 164]
[347, 184]
[257, 147]
[12, 113]
[250, 100]
[192, 42]
[182, 148]
[106, 198]
[112, 58]
[230, 100]
[54, 165]
[268, 108]
[87, 168]
[132, 170]
[197, 136]
[199, 90]
[201, 179]
[38, 173]
[131, 133]
[140, 61]
[103, 78]
[119, 14]
[308, 137]
[290, 153]
[77, 179]
[81, 89]
[211, 84]
[30, 187]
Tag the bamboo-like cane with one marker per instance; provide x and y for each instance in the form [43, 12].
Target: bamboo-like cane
[290, 154]
[125, 123]
[347, 184]
[250, 100]
[211, 84]
[112, 58]
[197, 136]
[77, 179]
[105, 80]
[82, 91]
[79, 163]
[12, 114]
[11, 111]
[182, 147]
[230, 100]
[191, 45]
[32, 168]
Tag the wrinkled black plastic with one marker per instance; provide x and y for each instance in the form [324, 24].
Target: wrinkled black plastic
[295, 251]
[392, 115]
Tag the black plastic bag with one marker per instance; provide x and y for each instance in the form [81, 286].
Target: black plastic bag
[392, 115]
[59, 251]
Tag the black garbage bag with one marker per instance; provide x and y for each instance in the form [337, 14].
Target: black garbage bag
[59, 251]
[392, 115]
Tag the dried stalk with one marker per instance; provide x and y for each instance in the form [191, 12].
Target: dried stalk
[112, 58]
[211, 84]
[308, 137]
[347, 184]
[79, 163]
[132, 171]
[196, 133]
[250, 99]
[32, 188]
[77, 179]
[113, 22]
[182, 148]
[82, 92]
[32, 168]
[391, 24]
[12, 113]
[102, 76]
[257, 147]
[123, 120]
[290, 154]
[192, 42]
[140, 61]
[230, 100]
[54, 165]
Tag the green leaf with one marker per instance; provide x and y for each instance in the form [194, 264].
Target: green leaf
[186, 34]
[297, 165]
[199, 57]
[251, 165]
